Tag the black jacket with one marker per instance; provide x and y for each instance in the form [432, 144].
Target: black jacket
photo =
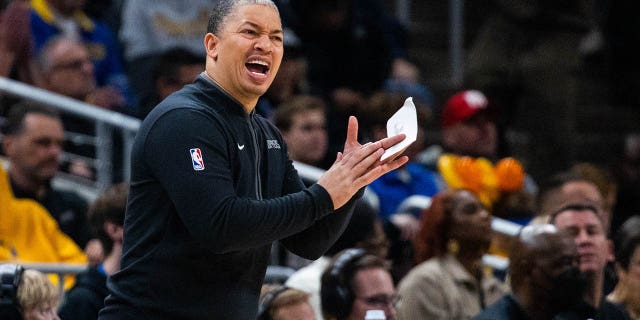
[197, 234]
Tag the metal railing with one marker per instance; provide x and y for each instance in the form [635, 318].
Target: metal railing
[105, 121]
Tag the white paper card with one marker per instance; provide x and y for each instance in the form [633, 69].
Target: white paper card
[405, 120]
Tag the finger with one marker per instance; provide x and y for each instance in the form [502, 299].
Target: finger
[339, 156]
[380, 170]
[390, 141]
[352, 132]
[356, 156]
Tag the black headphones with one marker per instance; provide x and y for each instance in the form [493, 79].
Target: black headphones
[267, 301]
[336, 293]
[10, 275]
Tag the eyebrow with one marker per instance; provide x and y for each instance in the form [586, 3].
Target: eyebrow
[255, 25]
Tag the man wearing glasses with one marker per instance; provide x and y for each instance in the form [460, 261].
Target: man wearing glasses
[356, 282]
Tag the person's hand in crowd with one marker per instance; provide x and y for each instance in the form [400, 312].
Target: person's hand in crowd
[358, 165]
[106, 97]
[94, 252]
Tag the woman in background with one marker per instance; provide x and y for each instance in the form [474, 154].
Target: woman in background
[450, 281]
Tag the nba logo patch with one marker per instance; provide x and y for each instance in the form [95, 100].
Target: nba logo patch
[196, 159]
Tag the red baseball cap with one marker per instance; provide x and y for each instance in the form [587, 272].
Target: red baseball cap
[462, 105]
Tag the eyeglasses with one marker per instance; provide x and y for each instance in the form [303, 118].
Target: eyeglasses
[381, 300]
[72, 65]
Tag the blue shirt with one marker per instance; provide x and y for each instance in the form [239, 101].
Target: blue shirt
[397, 185]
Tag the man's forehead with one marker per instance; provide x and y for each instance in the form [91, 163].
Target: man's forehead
[255, 15]
[577, 217]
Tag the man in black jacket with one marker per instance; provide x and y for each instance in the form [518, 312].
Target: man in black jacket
[212, 186]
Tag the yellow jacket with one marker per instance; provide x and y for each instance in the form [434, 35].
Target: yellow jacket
[28, 233]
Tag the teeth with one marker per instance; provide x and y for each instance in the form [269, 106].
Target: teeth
[262, 63]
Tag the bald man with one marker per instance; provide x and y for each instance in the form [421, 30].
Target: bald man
[545, 278]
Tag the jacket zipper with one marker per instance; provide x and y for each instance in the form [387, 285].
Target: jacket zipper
[256, 149]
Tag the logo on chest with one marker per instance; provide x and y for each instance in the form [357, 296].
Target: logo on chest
[273, 144]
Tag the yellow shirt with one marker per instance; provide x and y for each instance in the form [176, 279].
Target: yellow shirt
[28, 233]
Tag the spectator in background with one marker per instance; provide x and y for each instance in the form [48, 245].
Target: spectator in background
[32, 141]
[47, 19]
[36, 297]
[584, 221]
[450, 282]
[302, 122]
[28, 232]
[284, 303]
[354, 283]
[468, 158]
[363, 231]
[544, 276]
[64, 67]
[627, 253]
[467, 129]
[151, 27]
[86, 298]
[173, 69]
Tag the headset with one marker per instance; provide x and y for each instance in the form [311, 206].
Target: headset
[267, 301]
[10, 275]
[336, 293]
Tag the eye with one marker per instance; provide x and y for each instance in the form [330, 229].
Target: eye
[249, 32]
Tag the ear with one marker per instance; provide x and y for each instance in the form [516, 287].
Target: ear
[211, 45]
[8, 144]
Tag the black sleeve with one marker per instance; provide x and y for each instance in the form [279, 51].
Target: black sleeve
[206, 200]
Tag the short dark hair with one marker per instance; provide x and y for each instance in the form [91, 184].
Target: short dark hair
[626, 241]
[222, 8]
[108, 207]
[578, 206]
[283, 116]
[15, 117]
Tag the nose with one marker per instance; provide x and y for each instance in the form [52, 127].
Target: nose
[263, 43]
[582, 238]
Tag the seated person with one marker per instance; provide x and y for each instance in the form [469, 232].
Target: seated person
[544, 276]
[354, 283]
[585, 222]
[284, 303]
[27, 294]
[450, 282]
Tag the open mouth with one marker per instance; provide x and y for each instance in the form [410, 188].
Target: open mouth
[257, 67]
